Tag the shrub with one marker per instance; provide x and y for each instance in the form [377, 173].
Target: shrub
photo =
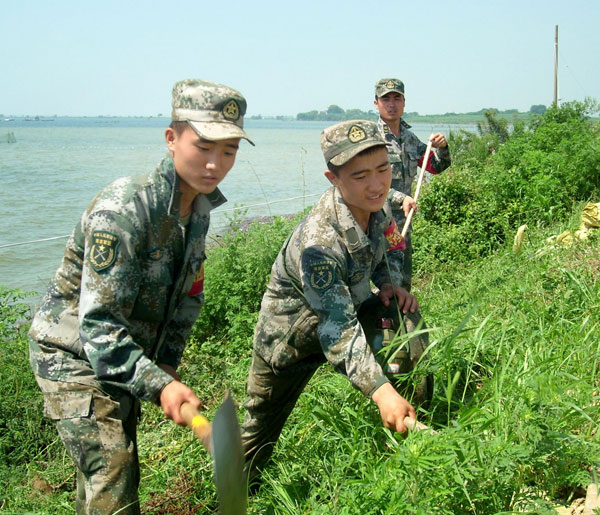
[237, 273]
[23, 431]
[536, 176]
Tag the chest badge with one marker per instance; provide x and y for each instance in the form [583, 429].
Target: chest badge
[156, 254]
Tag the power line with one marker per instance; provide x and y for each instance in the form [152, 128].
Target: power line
[216, 212]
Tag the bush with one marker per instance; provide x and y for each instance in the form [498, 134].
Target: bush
[534, 177]
[237, 273]
[24, 433]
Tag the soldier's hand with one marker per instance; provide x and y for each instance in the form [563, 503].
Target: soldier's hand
[407, 204]
[393, 408]
[406, 301]
[438, 140]
[173, 396]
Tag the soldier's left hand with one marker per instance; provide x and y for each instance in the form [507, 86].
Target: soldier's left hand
[406, 301]
[438, 140]
[407, 204]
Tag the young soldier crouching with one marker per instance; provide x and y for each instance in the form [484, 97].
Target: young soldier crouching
[320, 279]
[113, 325]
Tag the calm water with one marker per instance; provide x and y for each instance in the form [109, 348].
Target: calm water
[55, 168]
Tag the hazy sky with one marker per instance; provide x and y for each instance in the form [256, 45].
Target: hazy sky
[120, 57]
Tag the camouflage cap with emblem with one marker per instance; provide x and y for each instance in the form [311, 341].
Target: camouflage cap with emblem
[341, 142]
[385, 86]
[213, 110]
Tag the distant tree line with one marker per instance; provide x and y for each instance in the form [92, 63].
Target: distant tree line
[335, 113]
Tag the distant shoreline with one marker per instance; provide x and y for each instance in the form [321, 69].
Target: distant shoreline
[455, 118]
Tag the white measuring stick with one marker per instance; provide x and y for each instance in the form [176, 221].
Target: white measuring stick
[418, 190]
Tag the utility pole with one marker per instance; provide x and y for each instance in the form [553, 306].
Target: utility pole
[556, 65]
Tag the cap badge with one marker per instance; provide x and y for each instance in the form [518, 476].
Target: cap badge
[390, 84]
[231, 111]
[356, 134]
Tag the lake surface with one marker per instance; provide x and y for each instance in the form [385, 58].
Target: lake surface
[55, 168]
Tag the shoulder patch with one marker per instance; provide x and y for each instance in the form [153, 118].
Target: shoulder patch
[198, 284]
[394, 237]
[103, 251]
[322, 274]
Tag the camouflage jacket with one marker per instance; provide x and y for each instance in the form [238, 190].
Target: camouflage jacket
[318, 282]
[404, 153]
[128, 290]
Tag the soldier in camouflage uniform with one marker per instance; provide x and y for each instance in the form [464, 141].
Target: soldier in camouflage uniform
[406, 153]
[113, 325]
[318, 282]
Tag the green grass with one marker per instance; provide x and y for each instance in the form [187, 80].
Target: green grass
[515, 351]
[515, 357]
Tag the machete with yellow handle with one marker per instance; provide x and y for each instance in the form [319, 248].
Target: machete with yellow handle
[223, 440]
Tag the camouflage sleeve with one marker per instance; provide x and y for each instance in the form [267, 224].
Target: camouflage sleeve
[440, 159]
[109, 287]
[389, 270]
[396, 198]
[178, 331]
[340, 334]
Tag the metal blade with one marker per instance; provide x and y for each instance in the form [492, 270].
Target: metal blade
[229, 460]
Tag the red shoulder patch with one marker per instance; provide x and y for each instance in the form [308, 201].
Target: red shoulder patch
[394, 238]
[198, 284]
[429, 166]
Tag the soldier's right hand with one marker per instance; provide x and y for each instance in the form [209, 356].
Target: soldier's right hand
[406, 301]
[173, 396]
[393, 408]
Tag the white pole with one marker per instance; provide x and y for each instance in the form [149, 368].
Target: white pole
[418, 190]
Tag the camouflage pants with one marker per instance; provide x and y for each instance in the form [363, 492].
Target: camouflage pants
[99, 434]
[272, 395]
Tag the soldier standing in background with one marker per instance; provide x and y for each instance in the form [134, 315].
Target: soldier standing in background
[319, 281]
[113, 325]
[406, 153]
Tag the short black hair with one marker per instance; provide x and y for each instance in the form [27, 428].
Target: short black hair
[334, 169]
[178, 127]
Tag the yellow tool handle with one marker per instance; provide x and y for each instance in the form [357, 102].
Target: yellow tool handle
[198, 423]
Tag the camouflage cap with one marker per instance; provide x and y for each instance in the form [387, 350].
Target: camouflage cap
[384, 86]
[341, 142]
[214, 111]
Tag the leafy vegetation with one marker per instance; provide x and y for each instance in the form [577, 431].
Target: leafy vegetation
[514, 353]
[499, 182]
